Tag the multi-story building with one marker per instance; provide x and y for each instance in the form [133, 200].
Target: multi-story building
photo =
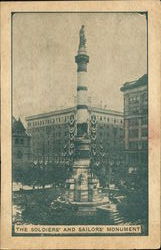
[21, 144]
[53, 136]
[53, 133]
[136, 123]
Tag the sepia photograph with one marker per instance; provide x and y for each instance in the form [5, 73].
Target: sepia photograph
[79, 120]
[80, 125]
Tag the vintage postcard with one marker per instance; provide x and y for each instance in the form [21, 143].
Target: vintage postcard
[81, 125]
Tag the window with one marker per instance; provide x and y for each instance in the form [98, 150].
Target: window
[19, 155]
[133, 145]
[114, 131]
[21, 141]
[133, 158]
[133, 99]
[135, 110]
[133, 122]
[133, 133]
[144, 132]
[16, 141]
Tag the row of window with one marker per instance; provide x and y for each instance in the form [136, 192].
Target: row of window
[135, 122]
[135, 98]
[20, 155]
[137, 110]
[106, 126]
[50, 121]
[136, 158]
[134, 133]
[138, 145]
[21, 141]
[67, 118]
[134, 109]
[65, 128]
[108, 119]
[48, 129]
[54, 136]
[115, 131]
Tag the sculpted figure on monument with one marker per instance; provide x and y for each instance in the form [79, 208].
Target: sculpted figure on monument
[81, 179]
[82, 37]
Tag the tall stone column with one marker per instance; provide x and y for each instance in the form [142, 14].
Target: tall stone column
[82, 189]
[82, 109]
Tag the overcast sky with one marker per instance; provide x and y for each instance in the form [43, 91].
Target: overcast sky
[44, 47]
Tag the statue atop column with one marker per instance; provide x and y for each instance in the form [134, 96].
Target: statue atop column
[82, 43]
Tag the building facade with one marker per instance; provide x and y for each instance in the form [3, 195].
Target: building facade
[53, 135]
[21, 144]
[136, 123]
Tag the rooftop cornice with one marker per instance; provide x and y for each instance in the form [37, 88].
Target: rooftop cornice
[48, 114]
[142, 81]
[107, 111]
[72, 109]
